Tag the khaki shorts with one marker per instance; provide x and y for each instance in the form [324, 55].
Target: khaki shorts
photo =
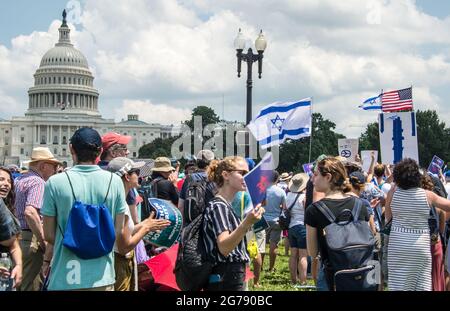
[273, 233]
[124, 272]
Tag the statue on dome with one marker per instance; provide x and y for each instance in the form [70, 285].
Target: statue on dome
[64, 14]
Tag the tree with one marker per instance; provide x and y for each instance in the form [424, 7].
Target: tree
[158, 148]
[295, 153]
[208, 116]
[433, 137]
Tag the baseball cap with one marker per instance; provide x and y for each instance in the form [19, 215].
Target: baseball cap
[86, 137]
[359, 176]
[112, 138]
[122, 166]
[251, 163]
[206, 154]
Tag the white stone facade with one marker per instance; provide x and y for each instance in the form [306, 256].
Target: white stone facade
[62, 100]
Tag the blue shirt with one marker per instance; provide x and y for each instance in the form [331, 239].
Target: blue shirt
[275, 196]
[237, 203]
[90, 184]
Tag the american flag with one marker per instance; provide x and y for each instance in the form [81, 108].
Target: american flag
[397, 100]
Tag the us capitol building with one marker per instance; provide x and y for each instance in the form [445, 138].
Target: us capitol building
[62, 100]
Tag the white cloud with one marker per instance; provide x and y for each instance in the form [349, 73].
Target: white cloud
[181, 53]
[154, 113]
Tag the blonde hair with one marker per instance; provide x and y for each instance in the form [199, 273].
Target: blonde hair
[216, 168]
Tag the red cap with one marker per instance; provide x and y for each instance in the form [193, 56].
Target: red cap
[110, 139]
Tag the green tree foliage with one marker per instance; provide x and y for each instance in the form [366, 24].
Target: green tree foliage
[295, 153]
[158, 148]
[433, 137]
[208, 116]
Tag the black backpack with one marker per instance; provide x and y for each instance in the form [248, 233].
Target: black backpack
[148, 189]
[350, 245]
[193, 265]
[199, 192]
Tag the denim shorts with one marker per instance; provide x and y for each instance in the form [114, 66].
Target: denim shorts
[297, 236]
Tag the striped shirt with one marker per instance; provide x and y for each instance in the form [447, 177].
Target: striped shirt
[29, 190]
[219, 217]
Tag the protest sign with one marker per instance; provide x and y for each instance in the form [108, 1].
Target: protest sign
[366, 158]
[165, 210]
[348, 148]
[435, 165]
[257, 181]
[398, 137]
[308, 168]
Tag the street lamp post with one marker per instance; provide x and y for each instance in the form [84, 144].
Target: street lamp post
[249, 58]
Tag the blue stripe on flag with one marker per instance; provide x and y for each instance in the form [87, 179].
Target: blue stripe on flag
[283, 133]
[372, 108]
[283, 109]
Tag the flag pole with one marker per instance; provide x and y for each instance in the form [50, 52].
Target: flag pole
[311, 136]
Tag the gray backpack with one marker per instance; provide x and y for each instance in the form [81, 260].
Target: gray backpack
[350, 245]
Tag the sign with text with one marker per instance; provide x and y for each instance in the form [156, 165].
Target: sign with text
[366, 158]
[348, 148]
[308, 168]
[398, 137]
[435, 165]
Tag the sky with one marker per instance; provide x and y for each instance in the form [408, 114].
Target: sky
[161, 58]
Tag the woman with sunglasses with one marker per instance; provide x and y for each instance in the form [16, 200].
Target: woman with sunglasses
[124, 259]
[9, 228]
[224, 232]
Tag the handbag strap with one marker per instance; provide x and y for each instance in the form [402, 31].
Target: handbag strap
[295, 201]
[109, 186]
[71, 187]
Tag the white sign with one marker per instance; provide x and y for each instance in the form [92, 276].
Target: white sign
[398, 137]
[366, 158]
[348, 148]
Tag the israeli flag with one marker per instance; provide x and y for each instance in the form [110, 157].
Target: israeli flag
[282, 120]
[373, 103]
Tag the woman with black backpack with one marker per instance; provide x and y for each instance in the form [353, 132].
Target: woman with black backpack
[224, 232]
[330, 177]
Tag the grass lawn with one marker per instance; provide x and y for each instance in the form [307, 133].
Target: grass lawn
[280, 280]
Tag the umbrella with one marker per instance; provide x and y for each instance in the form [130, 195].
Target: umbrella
[162, 266]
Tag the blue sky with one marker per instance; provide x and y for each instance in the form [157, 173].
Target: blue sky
[325, 49]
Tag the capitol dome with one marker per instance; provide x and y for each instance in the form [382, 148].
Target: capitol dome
[63, 83]
[64, 56]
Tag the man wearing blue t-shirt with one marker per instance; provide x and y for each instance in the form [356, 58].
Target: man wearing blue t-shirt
[91, 185]
[275, 202]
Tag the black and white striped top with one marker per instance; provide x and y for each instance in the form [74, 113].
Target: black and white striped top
[219, 217]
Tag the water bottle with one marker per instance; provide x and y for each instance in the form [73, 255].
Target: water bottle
[5, 262]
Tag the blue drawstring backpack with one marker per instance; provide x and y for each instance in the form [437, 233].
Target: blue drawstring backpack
[89, 231]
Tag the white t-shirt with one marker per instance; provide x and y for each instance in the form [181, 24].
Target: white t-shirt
[298, 210]
[447, 188]
[127, 214]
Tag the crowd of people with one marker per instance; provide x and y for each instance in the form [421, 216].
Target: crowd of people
[401, 211]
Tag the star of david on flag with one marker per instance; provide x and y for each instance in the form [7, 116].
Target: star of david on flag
[373, 103]
[282, 120]
[277, 122]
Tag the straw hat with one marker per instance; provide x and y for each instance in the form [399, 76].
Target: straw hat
[298, 182]
[162, 164]
[285, 177]
[42, 154]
